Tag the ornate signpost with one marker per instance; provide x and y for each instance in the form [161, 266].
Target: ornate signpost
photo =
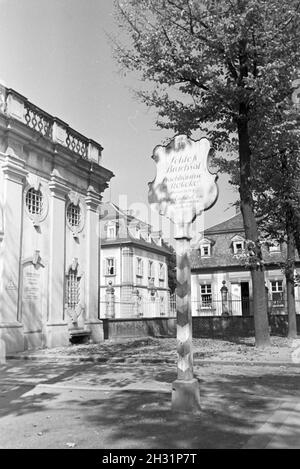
[182, 189]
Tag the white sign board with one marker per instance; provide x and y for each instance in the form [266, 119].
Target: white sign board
[183, 186]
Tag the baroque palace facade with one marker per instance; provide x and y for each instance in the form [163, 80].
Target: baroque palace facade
[51, 181]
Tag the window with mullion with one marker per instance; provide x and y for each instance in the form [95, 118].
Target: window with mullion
[110, 266]
[206, 296]
[277, 292]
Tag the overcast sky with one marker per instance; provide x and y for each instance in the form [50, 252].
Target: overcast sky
[56, 53]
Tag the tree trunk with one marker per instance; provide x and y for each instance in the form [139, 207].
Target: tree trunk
[295, 222]
[290, 288]
[261, 325]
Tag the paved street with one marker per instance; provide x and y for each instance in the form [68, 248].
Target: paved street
[60, 403]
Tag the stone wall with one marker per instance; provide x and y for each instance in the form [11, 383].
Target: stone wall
[140, 327]
[203, 327]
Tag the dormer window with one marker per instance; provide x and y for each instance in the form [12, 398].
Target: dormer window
[111, 231]
[205, 247]
[205, 250]
[238, 245]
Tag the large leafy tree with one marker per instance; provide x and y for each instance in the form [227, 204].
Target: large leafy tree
[217, 66]
[277, 196]
[275, 188]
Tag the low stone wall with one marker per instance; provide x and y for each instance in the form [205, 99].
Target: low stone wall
[139, 327]
[238, 326]
[206, 327]
[231, 326]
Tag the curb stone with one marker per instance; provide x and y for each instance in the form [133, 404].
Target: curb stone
[172, 361]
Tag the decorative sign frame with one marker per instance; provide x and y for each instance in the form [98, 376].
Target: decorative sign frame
[183, 186]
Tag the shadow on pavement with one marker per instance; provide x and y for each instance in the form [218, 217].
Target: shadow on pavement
[235, 402]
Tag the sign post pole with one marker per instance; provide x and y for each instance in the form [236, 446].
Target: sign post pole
[182, 189]
[185, 390]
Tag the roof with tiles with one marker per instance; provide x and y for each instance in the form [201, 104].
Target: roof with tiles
[125, 224]
[222, 255]
[233, 224]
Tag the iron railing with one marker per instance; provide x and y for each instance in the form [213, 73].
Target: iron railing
[149, 308]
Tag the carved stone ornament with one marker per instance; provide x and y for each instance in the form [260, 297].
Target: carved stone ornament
[74, 197]
[75, 313]
[183, 186]
[36, 258]
[74, 266]
[34, 181]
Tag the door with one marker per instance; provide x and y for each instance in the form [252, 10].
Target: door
[245, 298]
[236, 299]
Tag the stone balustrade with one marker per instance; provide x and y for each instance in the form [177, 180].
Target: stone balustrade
[16, 106]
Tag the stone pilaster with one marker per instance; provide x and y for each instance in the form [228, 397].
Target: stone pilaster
[110, 301]
[11, 331]
[57, 327]
[92, 200]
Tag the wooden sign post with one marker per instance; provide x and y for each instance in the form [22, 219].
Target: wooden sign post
[182, 190]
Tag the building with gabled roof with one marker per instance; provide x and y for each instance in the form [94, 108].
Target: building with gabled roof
[217, 262]
[134, 264]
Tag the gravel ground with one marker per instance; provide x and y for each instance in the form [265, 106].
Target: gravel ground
[237, 349]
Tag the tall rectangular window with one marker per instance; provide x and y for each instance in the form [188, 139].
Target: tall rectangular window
[277, 292]
[110, 266]
[72, 288]
[139, 267]
[150, 269]
[206, 296]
